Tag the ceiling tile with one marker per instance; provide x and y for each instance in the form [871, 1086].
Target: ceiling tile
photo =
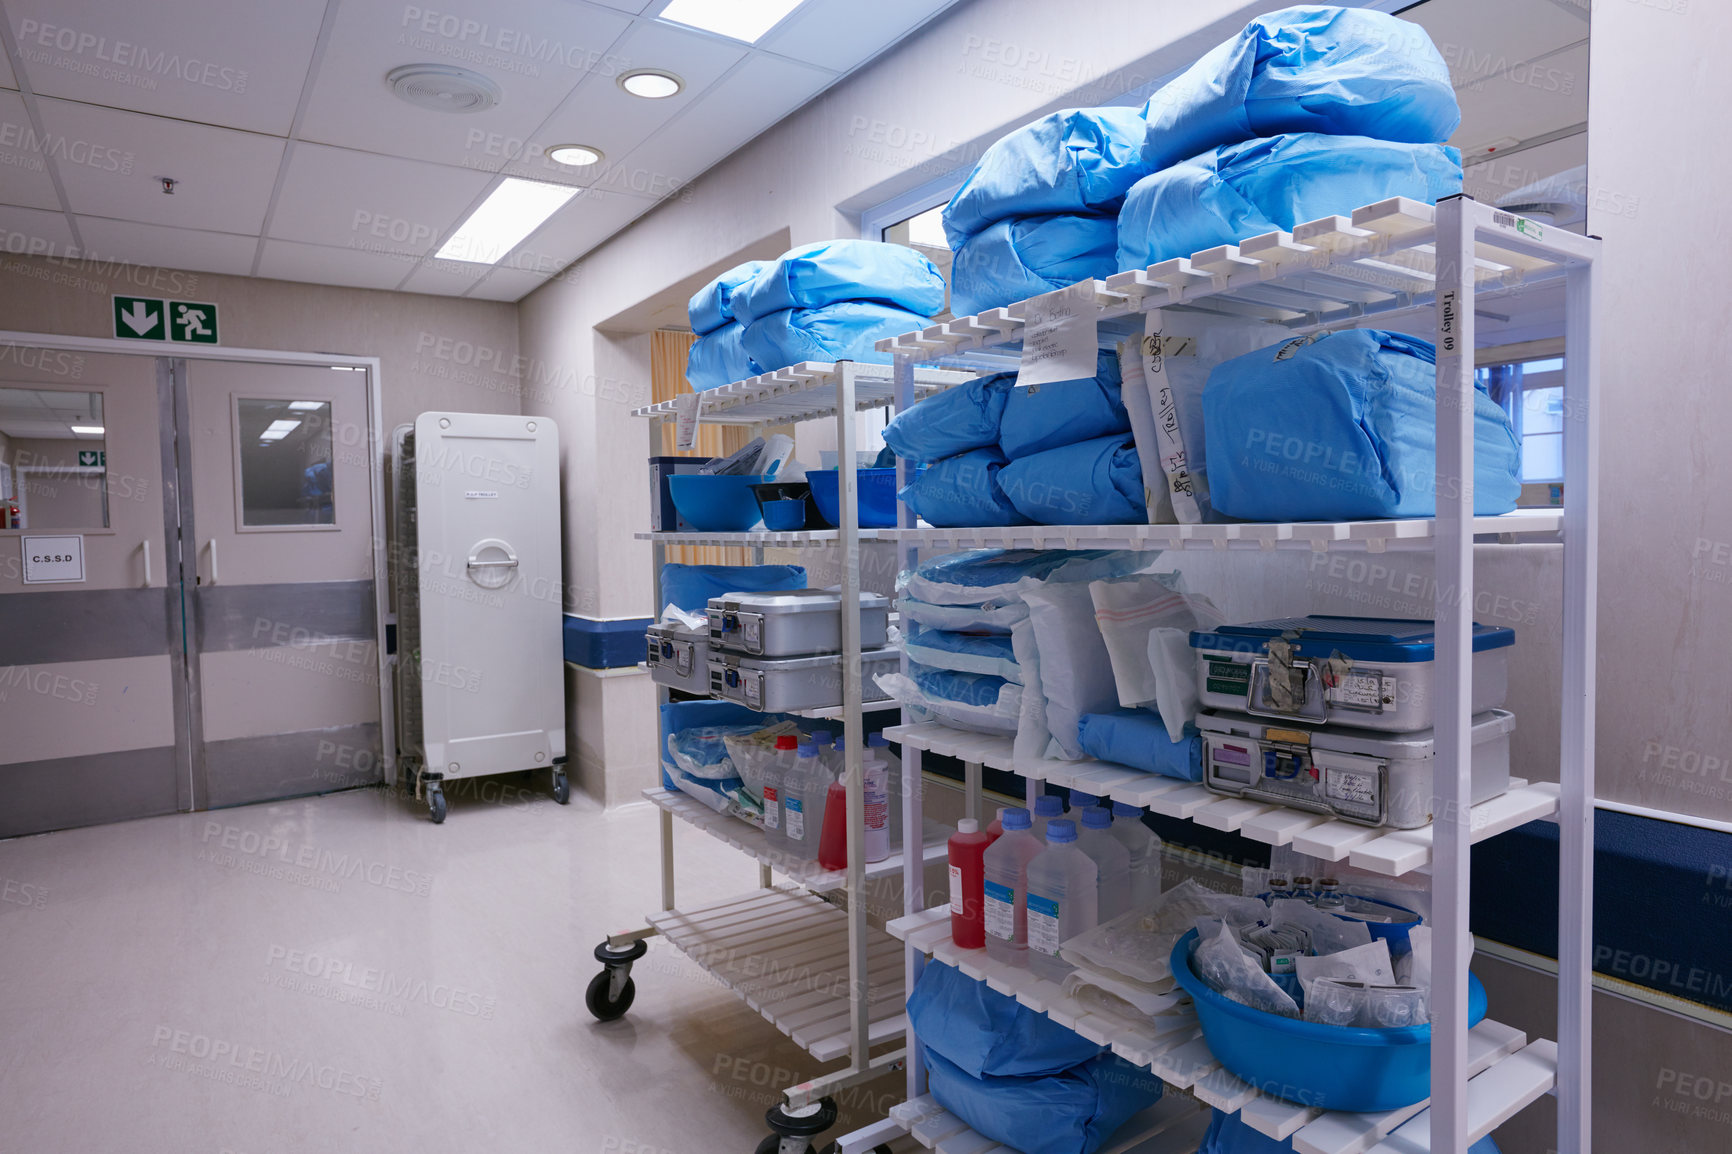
[632, 6]
[157, 246]
[225, 176]
[536, 51]
[7, 80]
[1480, 38]
[346, 199]
[1526, 101]
[322, 264]
[839, 34]
[445, 277]
[209, 61]
[584, 222]
[508, 284]
[33, 232]
[758, 94]
[24, 176]
[603, 115]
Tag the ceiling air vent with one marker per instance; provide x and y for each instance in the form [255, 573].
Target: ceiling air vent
[443, 87]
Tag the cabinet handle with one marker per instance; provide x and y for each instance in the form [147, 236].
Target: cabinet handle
[147, 562]
[213, 561]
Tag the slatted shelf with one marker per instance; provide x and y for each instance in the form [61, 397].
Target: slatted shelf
[784, 951]
[1174, 1125]
[759, 538]
[749, 840]
[803, 392]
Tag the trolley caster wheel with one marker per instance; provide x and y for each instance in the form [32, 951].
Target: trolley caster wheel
[561, 787]
[436, 804]
[610, 957]
[607, 999]
[773, 1145]
[806, 1122]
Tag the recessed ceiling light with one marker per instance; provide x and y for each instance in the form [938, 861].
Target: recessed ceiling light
[575, 155]
[308, 406]
[89, 430]
[651, 83]
[511, 212]
[443, 87]
[746, 20]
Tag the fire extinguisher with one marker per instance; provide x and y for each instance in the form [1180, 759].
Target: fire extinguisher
[10, 509]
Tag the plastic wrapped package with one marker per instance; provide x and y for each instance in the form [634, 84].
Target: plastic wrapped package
[1073, 161]
[1041, 417]
[1367, 963]
[1326, 933]
[846, 331]
[1033, 738]
[690, 587]
[962, 491]
[702, 751]
[1012, 260]
[995, 615]
[1342, 1002]
[954, 421]
[983, 576]
[1308, 68]
[969, 701]
[711, 307]
[1221, 961]
[1341, 426]
[719, 358]
[1229, 1134]
[1076, 675]
[1127, 609]
[815, 276]
[990, 653]
[1138, 739]
[988, 1034]
[1261, 186]
[1073, 1112]
[1097, 482]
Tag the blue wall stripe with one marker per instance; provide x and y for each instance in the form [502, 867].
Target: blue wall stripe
[604, 644]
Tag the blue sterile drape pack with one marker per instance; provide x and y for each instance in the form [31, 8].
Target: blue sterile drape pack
[988, 653]
[690, 587]
[958, 419]
[1138, 738]
[1020, 257]
[845, 331]
[832, 271]
[1098, 482]
[1341, 426]
[963, 490]
[712, 306]
[719, 358]
[1041, 417]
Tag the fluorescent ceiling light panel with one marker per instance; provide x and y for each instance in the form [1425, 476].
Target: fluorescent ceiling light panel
[306, 406]
[279, 429]
[746, 20]
[511, 212]
[89, 430]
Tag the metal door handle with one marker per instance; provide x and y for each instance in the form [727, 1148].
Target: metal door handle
[213, 561]
[510, 562]
[147, 562]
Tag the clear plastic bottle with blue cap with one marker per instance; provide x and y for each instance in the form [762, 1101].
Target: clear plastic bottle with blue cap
[802, 803]
[1144, 846]
[1063, 898]
[1046, 807]
[829, 753]
[1080, 801]
[1005, 866]
[1112, 860]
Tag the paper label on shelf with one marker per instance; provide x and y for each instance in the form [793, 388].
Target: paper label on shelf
[794, 810]
[956, 889]
[1000, 911]
[1059, 337]
[1169, 434]
[1043, 925]
[686, 407]
[772, 808]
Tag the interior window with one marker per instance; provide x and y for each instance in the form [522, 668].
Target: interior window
[1532, 393]
[284, 449]
[53, 460]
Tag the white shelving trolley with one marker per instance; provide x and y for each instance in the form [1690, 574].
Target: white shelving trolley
[801, 952]
[1402, 263]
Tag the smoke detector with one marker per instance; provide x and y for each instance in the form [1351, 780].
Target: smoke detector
[443, 88]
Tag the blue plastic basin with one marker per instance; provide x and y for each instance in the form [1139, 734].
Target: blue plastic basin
[783, 516]
[716, 504]
[1324, 1067]
[877, 488]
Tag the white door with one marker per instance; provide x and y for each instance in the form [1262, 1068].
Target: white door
[282, 601]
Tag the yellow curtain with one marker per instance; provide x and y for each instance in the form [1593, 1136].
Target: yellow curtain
[668, 350]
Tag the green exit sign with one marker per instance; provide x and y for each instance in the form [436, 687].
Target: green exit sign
[154, 319]
[92, 458]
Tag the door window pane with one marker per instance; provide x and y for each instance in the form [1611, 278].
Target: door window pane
[53, 460]
[284, 450]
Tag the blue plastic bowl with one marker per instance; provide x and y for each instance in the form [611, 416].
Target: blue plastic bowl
[877, 488]
[784, 516]
[716, 504]
[1324, 1067]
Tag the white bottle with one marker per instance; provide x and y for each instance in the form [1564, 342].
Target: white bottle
[802, 798]
[1006, 868]
[1112, 861]
[875, 773]
[1062, 902]
[1046, 807]
[781, 764]
[880, 748]
[1145, 849]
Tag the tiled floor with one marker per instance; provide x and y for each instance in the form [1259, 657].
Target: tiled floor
[338, 974]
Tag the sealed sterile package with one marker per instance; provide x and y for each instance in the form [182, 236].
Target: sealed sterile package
[1032, 735]
[992, 616]
[702, 752]
[1138, 738]
[1339, 1002]
[1341, 426]
[1139, 944]
[1098, 482]
[962, 491]
[844, 331]
[992, 653]
[1088, 983]
[1076, 676]
[1075, 160]
[1368, 963]
[964, 700]
[719, 358]
[988, 1034]
[1041, 417]
[1261, 186]
[711, 307]
[1327, 933]
[1308, 68]
[1414, 967]
[1222, 961]
[814, 276]
[690, 587]
[1021, 257]
[954, 421]
[1127, 609]
[983, 576]
[1072, 1112]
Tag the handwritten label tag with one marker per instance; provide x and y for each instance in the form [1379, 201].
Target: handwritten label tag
[686, 407]
[1059, 337]
[1169, 432]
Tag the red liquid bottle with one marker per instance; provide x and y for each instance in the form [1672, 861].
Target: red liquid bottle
[968, 884]
[833, 839]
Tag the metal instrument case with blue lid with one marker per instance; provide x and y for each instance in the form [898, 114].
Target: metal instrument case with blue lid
[1365, 672]
[679, 658]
